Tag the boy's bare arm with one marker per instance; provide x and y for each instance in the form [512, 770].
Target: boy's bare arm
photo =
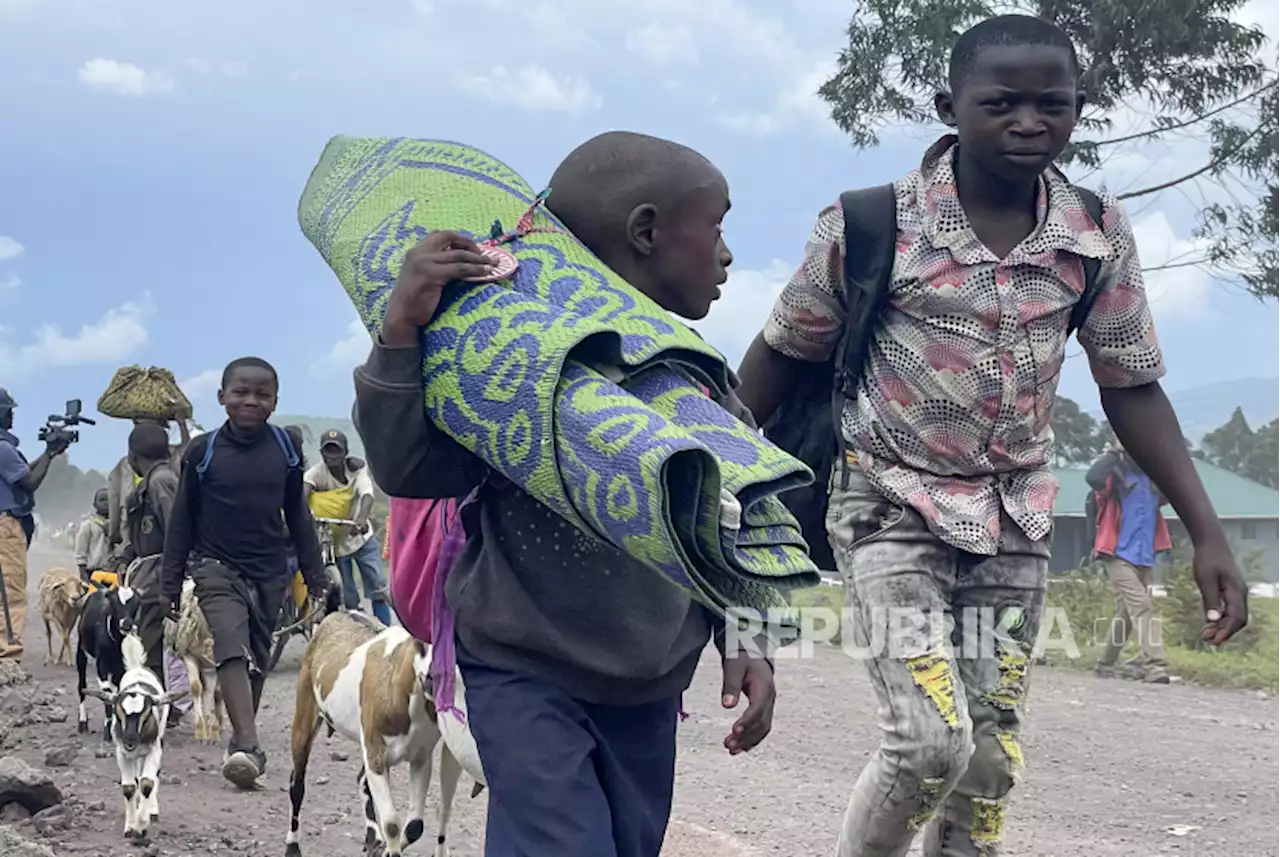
[767, 375]
[1147, 427]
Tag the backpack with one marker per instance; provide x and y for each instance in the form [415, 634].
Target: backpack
[416, 533]
[291, 456]
[807, 424]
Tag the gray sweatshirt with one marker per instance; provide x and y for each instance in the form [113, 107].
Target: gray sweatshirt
[529, 592]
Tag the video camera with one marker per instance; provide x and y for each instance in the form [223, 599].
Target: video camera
[58, 427]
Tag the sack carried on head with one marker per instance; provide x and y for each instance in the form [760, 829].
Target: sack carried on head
[137, 393]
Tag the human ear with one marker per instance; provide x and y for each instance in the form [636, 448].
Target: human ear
[945, 105]
[642, 228]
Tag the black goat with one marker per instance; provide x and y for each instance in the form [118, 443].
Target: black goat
[109, 615]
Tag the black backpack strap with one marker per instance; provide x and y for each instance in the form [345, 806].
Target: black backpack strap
[1080, 312]
[870, 250]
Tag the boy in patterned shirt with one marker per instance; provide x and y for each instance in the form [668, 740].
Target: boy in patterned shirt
[943, 503]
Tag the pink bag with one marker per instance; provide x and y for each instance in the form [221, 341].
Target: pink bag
[416, 536]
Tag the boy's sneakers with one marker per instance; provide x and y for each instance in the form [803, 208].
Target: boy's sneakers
[243, 767]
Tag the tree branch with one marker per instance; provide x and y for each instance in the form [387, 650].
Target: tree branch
[1209, 167]
[1152, 132]
[1170, 265]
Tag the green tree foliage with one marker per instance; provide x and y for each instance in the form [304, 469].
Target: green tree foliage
[1238, 448]
[1198, 74]
[1077, 438]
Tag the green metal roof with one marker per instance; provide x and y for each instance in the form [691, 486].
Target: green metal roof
[1233, 496]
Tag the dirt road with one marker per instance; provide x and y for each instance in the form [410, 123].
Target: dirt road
[1115, 770]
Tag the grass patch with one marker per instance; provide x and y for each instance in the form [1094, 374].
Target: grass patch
[1251, 660]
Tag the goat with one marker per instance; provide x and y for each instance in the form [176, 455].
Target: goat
[189, 638]
[62, 596]
[371, 684]
[109, 615]
[141, 708]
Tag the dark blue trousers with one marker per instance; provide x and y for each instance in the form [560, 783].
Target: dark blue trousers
[568, 778]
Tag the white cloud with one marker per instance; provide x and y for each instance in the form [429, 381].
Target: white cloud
[9, 284]
[225, 69]
[206, 383]
[124, 78]
[797, 105]
[664, 45]
[113, 338]
[1175, 292]
[9, 247]
[740, 314]
[533, 88]
[347, 353]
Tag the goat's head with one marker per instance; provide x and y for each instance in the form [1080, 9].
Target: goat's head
[139, 712]
[121, 614]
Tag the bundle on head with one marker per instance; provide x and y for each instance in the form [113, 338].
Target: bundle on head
[136, 393]
[62, 595]
[140, 708]
[370, 684]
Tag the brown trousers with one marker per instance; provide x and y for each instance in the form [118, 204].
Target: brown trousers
[1135, 611]
[13, 566]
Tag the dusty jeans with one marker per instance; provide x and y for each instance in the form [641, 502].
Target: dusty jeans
[1134, 612]
[950, 694]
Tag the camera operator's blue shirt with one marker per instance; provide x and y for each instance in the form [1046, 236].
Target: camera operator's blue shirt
[14, 499]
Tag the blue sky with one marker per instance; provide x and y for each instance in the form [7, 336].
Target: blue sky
[152, 154]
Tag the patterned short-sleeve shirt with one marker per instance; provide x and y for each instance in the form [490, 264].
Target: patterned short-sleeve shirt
[952, 416]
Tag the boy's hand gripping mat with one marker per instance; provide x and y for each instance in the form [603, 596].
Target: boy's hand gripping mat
[562, 377]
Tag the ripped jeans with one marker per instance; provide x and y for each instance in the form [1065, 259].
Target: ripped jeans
[949, 693]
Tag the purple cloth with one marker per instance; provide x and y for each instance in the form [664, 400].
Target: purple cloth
[444, 657]
[176, 678]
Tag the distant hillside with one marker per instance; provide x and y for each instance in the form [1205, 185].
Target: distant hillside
[314, 427]
[1199, 409]
[1203, 409]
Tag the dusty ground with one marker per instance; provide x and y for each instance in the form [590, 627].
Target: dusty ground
[1116, 770]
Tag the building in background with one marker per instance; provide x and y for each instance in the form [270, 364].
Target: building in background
[1250, 514]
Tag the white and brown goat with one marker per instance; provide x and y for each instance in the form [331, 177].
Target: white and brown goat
[62, 595]
[190, 639]
[371, 684]
[140, 709]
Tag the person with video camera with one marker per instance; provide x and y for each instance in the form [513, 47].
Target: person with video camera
[19, 480]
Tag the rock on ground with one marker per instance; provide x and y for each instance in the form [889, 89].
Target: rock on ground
[14, 845]
[22, 784]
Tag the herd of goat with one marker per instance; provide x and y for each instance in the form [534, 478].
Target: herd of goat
[358, 678]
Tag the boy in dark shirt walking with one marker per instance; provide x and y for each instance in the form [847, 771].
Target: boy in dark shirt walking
[573, 674]
[227, 524]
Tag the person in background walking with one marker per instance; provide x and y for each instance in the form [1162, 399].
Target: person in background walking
[122, 480]
[340, 486]
[18, 483]
[93, 550]
[1130, 532]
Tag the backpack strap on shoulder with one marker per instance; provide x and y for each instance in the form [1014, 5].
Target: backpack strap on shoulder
[203, 466]
[1080, 312]
[870, 251]
[286, 446]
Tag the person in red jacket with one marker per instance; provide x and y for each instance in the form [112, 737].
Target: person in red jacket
[1131, 531]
